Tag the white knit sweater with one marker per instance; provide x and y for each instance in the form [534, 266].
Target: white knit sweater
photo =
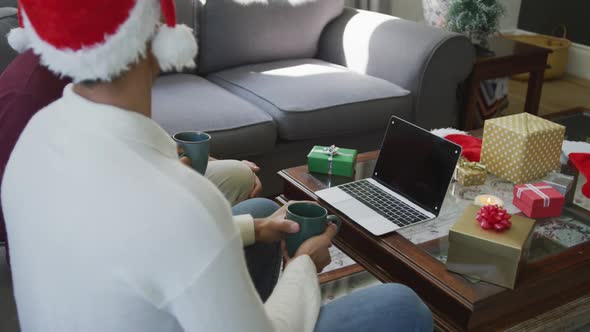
[110, 232]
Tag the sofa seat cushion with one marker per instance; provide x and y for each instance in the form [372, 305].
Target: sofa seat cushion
[183, 102]
[310, 98]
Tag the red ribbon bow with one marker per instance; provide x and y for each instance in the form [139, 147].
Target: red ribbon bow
[493, 217]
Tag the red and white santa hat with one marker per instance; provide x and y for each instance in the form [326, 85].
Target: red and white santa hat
[100, 39]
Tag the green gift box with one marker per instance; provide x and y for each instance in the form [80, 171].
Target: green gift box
[332, 160]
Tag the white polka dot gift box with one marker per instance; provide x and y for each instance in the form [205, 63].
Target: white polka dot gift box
[522, 147]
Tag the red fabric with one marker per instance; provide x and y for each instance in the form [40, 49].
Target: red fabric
[25, 88]
[169, 12]
[471, 145]
[531, 203]
[73, 24]
[20, 17]
[582, 163]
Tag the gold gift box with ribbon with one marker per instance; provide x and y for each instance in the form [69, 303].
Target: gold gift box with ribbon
[487, 255]
[522, 147]
[470, 173]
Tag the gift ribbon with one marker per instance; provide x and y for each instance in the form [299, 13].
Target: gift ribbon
[473, 165]
[537, 190]
[331, 152]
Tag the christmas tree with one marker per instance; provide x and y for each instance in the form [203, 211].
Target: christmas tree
[476, 18]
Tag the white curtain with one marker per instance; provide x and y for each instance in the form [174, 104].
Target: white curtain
[383, 6]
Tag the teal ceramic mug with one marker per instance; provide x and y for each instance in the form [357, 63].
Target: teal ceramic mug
[195, 145]
[312, 219]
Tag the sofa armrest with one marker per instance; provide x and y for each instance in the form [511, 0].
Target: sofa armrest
[8, 21]
[429, 62]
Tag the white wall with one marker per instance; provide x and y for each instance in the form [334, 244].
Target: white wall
[510, 20]
[408, 9]
[412, 10]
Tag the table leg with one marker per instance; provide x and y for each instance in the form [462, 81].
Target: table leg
[533, 96]
[470, 104]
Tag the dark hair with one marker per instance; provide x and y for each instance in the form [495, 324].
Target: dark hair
[91, 83]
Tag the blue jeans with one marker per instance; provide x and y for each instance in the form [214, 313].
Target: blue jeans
[387, 307]
[263, 259]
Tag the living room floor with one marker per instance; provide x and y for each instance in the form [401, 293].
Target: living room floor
[558, 95]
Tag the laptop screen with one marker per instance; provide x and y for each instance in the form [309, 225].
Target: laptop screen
[416, 164]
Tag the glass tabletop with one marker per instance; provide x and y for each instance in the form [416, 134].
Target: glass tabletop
[576, 125]
[550, 237]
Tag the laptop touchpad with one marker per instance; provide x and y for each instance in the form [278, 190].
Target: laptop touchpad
[355, 209]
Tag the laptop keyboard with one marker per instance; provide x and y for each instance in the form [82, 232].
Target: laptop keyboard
[383, 203]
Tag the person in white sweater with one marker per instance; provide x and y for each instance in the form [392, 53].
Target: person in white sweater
[110, 232]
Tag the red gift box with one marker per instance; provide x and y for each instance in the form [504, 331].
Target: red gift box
[538, 200]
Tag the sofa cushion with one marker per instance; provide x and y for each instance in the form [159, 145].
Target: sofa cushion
[187, 102]
[8, 21]
[311, 98]
[8, 3]
[187, 13]
[239, 32]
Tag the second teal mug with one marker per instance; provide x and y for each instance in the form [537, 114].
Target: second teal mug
[312, 219]
[195, 145]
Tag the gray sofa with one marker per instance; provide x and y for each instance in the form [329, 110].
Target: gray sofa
[275, 78]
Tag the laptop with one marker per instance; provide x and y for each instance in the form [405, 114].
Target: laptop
[409, 183]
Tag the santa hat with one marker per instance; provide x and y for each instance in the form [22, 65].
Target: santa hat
[99, 40]
[471, 145]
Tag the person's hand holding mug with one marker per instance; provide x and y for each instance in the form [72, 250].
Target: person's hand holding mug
[317, 248]
[183, 159]
[274, 227]
[195, 146]
[316, 231]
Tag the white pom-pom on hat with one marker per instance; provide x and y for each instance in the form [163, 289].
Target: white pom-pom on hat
[175, 47]
[17, 37]
[18, 40]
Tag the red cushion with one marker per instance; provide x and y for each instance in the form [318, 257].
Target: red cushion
[25, 88]
[582, 163]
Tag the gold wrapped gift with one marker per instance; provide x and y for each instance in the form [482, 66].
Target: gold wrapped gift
[485, 254]
[470, 173]
[522, 147]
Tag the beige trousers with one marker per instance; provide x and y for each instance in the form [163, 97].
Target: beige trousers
[234, 179]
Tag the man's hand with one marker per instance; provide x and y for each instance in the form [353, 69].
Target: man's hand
[257, 183]
[273, 228]
[316, 247]
[184, 159]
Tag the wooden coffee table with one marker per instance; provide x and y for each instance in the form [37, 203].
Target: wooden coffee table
[555, 280]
